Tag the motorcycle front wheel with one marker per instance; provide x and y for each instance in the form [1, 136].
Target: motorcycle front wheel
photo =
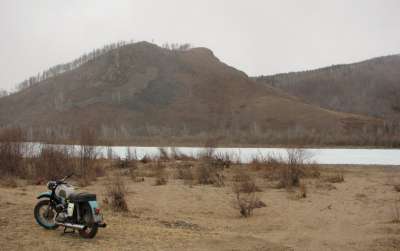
[45, 214]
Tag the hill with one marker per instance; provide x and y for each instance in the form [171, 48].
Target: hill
[144, 93]
[371, 87]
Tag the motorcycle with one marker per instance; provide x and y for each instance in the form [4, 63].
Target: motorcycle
[63, 206]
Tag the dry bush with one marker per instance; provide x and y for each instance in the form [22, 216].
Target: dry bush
[116, 194]
[206, 174]
[130, 156]
[222, 160]
[146, 159]
[126, 163]
[88, 154]
[296, 166]
[246, 197]
[335, 178]
[163, 154]
[396, 212]
[177, 155]
[397, 188]
[52, 163]
[9, 181]
[247, 183]
[302, 191]
[135, 175]
[209, 170]
[11, 152]
[161, 177]
[184, 171]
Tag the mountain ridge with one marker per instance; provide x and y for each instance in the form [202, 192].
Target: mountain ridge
[141, 91]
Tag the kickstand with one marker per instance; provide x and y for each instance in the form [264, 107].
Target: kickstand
[68, 232]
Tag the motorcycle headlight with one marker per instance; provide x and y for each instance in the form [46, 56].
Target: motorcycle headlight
[50, 185]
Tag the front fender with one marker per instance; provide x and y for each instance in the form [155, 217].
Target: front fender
[44, 195]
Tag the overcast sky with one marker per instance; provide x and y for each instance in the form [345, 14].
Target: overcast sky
[256, 36]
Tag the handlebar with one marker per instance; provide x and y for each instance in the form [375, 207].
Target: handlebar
[66, 177]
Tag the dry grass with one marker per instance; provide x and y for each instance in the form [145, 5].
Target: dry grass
[178, 217]
[335, 178]
[8, 181]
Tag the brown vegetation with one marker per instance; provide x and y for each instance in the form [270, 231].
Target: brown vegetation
[335, 178]
[396, 211]
[11, 151]
[116, 194]
[179, 217]
[246, 197]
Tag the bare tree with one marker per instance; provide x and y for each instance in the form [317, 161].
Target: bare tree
[3, 93]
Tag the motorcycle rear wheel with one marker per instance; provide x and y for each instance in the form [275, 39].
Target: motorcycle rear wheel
[89, 232]
[91, 228]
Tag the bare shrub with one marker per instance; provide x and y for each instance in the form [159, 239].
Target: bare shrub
[161, 177]
[87, 156]
[163, 154]
[397, 188]
[396, 211]
[131, 155]
[11, 152]
[146, 159]
[302, 191]
[9, 181]
[126, 163]
[116, 194]
[184, 171]
[177, 155]
[52, 163]
[206, 174]
[222, 160]
[209, 171]
[335, 178]
[246, 183]
[246, 198]
[296, 166]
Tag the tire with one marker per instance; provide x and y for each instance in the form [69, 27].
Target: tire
[89, 232]
[91, 228]
[40, 218]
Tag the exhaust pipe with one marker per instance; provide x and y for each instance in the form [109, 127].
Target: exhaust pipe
[70, 225]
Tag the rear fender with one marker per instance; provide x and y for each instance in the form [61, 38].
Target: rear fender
[96, 217]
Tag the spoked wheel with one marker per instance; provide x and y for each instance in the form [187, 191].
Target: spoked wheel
[91, 228]
[45, 214]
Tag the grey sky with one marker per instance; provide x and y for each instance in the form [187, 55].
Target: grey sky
[256, 36]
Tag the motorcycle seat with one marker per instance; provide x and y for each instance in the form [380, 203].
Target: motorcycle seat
[82, 197]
